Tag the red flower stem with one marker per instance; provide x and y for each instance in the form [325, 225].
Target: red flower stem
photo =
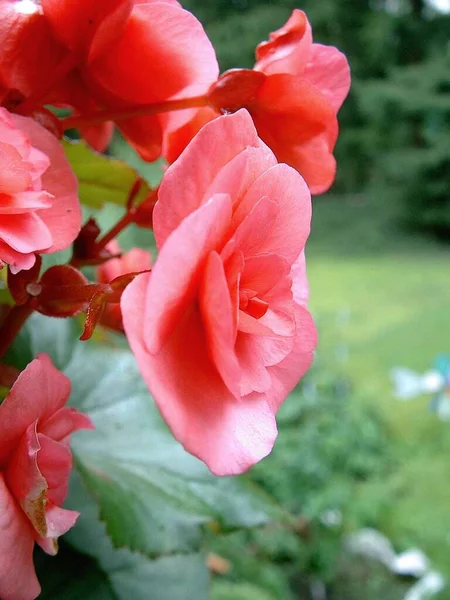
[126, 220]
[140, 110]
[37, 97]
[13, 324]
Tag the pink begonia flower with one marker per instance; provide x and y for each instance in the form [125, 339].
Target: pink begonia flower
[117, 53]
[39, 207]
[219, 328]
[133, 261]
[290, 50]
[35, 464]
[299, 87]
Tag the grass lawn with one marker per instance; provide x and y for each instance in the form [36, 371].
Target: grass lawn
[381, 298]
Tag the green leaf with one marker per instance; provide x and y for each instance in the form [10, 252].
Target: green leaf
[154, 497]
[92, 569]
[225, 590]
[102, 179]
[151, 172]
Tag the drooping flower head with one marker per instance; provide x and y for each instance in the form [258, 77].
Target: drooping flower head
[35, 464]
[39, 208]
[293, 95]
[219, 328]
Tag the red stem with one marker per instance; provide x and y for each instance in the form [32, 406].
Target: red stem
[13, 324]
[140, 110]
[126, 220]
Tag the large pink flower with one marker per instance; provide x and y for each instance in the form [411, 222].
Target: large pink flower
[219, 328]
[35, 464]
[39, 208]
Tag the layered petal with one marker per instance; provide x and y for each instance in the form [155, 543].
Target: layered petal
[87, 28]
[220, 327]
[177, 272]
[288, 201]
[229, 435]
[197, 184]
[23, 28]
[288, 49]
[25, 480]
[39, 391]
[63, 218]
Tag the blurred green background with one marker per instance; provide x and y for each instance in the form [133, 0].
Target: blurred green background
[379, 269]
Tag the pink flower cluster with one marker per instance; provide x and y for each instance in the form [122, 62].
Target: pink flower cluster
[219, 323]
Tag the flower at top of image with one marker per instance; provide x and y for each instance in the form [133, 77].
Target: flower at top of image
[293, 95]
[39, 207]
[107, 54]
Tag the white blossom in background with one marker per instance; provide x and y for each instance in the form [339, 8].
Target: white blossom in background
[375, 546]
[409, 384]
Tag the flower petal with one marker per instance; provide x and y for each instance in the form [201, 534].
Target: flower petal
[39, 391]
[288, 48]
[25, 480]
[63, 218]
[175, 276]
[185, 188]
[18, 579]
[228, 435]
[25, 232]
[161, 42]
[329, 71]
[220, 328]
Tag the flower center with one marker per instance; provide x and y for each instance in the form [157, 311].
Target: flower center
[251, 304]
